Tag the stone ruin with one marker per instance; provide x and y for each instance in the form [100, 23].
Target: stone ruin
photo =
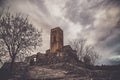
[57, 52]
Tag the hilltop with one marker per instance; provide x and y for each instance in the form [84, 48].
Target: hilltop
[62, 71]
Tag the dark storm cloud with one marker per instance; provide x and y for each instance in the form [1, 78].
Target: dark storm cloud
[114, 2]
[2, 2]
[82, 11]
[85, 18]
[77, 13]
[113, 36]
[114, 39]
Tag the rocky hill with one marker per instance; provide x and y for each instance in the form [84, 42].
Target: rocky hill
[61, 71]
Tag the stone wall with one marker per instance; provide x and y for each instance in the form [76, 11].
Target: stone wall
[56, 39]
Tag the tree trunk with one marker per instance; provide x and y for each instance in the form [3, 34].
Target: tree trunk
[12, 64]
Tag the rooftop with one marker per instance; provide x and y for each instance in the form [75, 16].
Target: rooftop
[56, 28]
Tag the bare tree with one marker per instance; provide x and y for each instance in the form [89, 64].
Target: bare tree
[17, 35]
[85, 53]
[90, 55]
[78, 45]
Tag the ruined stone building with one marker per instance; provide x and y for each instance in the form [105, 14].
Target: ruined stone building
[56, 39]
[57, 52]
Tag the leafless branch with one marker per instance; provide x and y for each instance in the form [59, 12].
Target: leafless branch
[86, 53]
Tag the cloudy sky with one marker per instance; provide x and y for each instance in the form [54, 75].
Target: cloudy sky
[96, 20]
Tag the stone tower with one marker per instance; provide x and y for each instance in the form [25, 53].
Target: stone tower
[56, 39]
